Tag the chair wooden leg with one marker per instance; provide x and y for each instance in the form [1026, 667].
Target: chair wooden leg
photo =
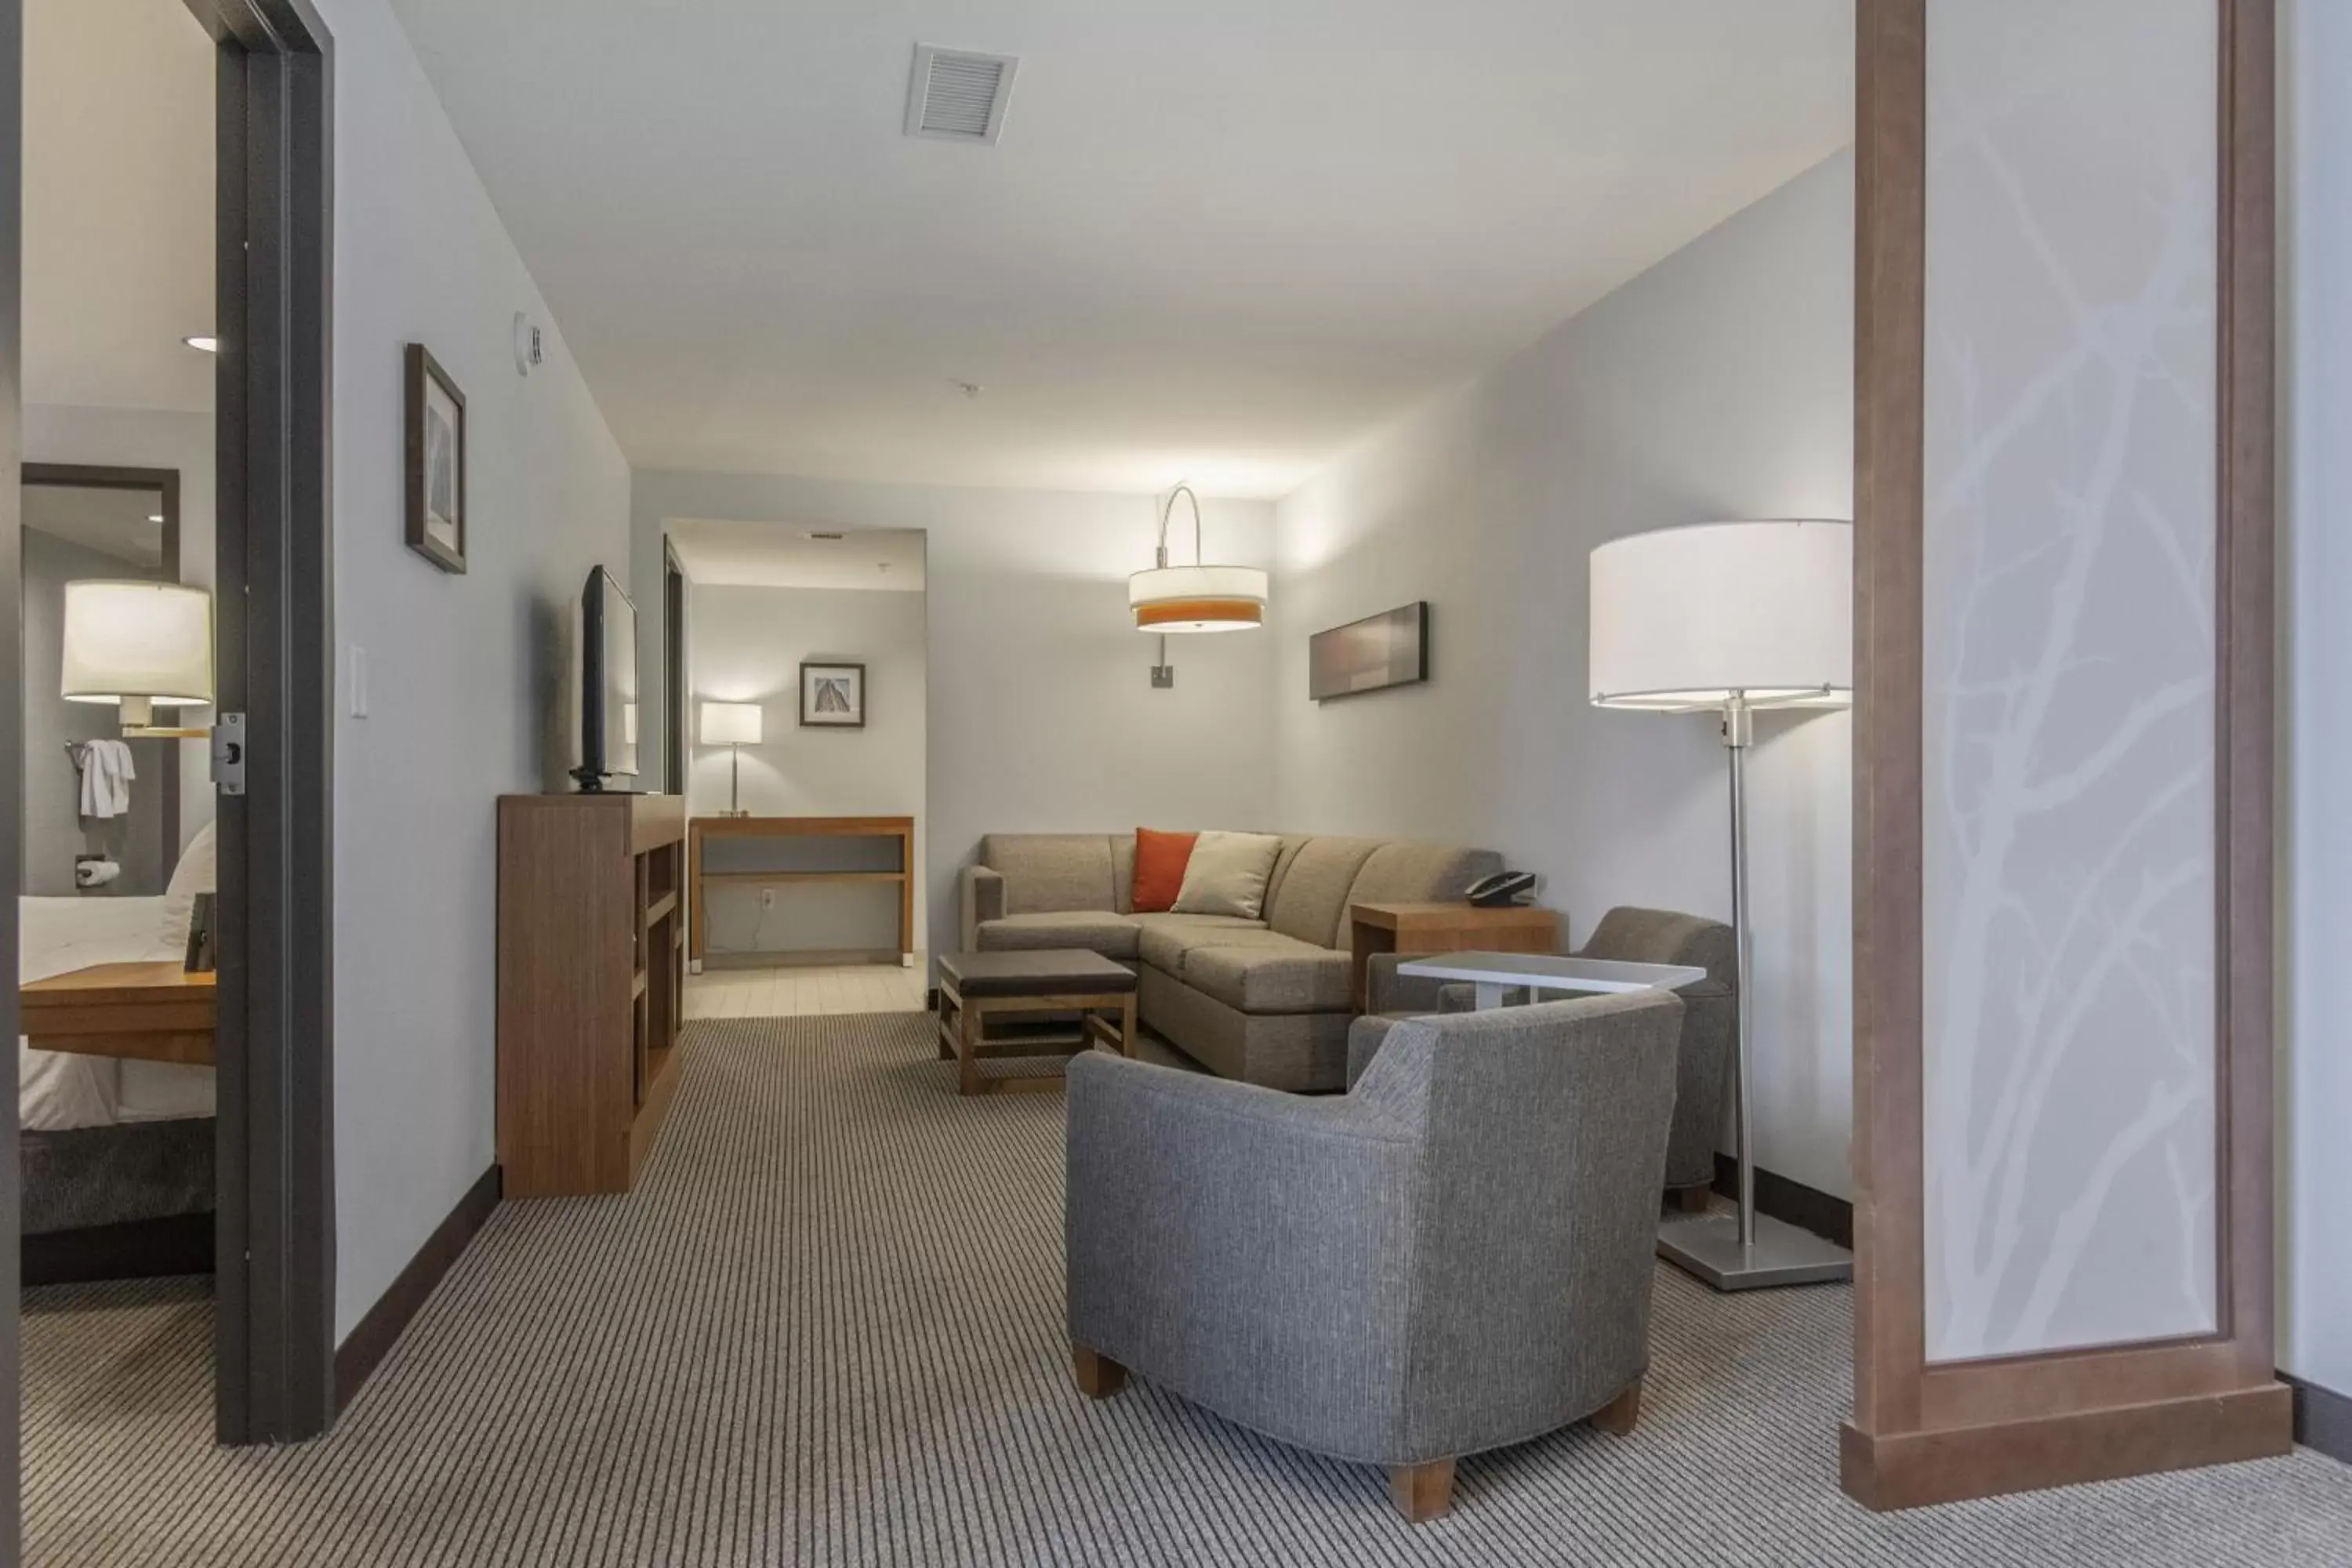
[1693, 1199]
[1422, 1492]
[1098, 1376]
[1617, 1417]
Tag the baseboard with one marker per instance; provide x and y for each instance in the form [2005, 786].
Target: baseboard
[135, 1250]
[357, 1357]
[2323, 1418]
[1918, 1469]
[1794, 1203]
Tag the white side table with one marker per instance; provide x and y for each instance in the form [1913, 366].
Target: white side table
[1495, 972]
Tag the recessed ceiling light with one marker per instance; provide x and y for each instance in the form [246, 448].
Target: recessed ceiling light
[202, 345]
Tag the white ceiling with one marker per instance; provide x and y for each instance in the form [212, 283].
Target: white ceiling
[112, 522]
[1219, 239]
[117, 204]
[772, 555]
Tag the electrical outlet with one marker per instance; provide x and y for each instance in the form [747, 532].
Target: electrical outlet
[767, 898]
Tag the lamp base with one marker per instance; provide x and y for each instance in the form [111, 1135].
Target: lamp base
[1708, 1246]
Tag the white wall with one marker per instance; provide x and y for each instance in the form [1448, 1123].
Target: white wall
[1716, 385]
[149, 439]
[1042, 715]
[461, 670]
[2315, 708]
[746, 645]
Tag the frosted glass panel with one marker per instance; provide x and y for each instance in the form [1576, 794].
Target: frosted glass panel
[2069, 733]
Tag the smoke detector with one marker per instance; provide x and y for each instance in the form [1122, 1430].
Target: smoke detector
[956, 95]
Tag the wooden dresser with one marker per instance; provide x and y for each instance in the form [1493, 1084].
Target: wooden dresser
[592, 960]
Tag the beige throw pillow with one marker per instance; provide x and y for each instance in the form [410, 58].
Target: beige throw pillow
[1227, 875]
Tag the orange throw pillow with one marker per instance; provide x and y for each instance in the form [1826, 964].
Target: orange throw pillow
[1160, 862]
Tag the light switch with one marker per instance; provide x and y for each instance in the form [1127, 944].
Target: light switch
[358, 682]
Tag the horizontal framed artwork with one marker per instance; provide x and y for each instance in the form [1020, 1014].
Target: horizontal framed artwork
[1390, 649]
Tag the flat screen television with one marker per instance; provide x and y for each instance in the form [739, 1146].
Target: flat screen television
[603, 682]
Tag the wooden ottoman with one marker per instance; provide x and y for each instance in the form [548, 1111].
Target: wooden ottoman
[973, 986]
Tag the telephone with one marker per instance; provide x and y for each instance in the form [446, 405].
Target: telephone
[1503, 890]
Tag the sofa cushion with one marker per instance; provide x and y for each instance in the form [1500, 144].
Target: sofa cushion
[1097, 931]
[1159, 861]
[1227, 875]
[1407, 873]
[1165, 938]
[1280, 975]
[1312, 903]
[1045, 872]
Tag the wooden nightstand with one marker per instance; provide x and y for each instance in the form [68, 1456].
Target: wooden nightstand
[1444, 928]
[147, 1012]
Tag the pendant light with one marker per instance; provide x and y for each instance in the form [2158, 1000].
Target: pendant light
[1199, 597]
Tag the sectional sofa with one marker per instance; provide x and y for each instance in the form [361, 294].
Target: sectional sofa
[1264, 1001]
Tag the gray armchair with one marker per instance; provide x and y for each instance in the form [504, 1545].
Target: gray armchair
[1454, 1256]
[1710, 1023]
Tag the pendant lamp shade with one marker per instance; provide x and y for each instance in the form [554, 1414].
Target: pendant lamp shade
[1199, 597]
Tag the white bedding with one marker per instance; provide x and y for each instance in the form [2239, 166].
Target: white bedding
[56, 1090]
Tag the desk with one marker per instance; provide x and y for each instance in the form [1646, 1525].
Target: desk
[1444, 928]
[144, 1012]
[899, 830]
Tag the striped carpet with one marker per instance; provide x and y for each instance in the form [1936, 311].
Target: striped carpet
[827, 1329]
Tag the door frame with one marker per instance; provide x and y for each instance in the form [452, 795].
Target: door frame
[676, 737]
[275, 1281]
[12, 721]
[113, 477]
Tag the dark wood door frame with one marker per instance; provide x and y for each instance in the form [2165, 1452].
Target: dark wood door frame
[275, 1289]
[108, 477]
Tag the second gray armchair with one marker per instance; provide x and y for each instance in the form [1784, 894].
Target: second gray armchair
[1454, 1256]
[1710, 1023]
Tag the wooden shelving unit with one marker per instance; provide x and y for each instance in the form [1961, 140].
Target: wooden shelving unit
[591, 986]
[898, 830]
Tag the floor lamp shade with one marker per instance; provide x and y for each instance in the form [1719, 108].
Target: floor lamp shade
[730, 723]
[137, 644]
[1686, 618]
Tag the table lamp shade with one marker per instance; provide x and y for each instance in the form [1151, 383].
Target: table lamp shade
[1683, 617]
[137, 640]
[730, 723]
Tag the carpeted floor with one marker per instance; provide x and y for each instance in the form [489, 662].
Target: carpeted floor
[827, 1328]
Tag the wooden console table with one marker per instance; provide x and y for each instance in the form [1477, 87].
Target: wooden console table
[142, 1011]
[898, 829]
[1444, 928]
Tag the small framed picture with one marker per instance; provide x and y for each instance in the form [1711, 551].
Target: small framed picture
[833, 696]
[436, 462]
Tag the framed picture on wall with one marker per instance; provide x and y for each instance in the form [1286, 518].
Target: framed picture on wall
[436, 462]
[833, 696]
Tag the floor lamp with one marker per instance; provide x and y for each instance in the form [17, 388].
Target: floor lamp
[1728, 619]
[733, 725]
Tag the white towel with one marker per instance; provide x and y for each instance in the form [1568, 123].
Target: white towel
[106, 775]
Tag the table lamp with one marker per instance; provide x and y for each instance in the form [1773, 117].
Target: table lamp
[141, 645]
[1725, 618]
[734, 725]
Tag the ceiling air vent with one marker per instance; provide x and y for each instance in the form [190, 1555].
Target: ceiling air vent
[958, 96]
